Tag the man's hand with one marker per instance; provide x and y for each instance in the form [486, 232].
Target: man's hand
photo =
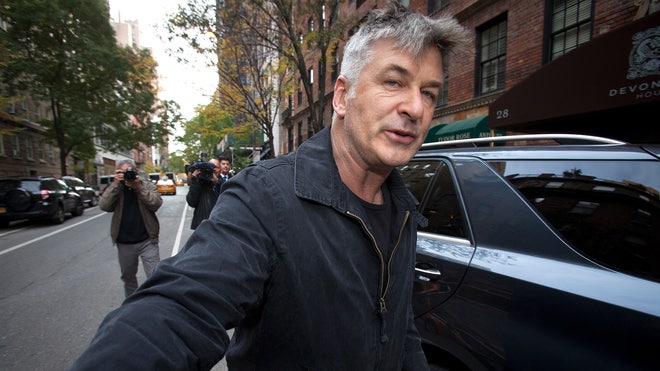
[119, 177]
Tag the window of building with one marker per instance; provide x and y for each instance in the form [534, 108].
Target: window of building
[300, 83]
[300, 131]
[15, 146]
[570, 26]
[435, 5]
[289, 139]
[40, 150]
[28, 148]
[51, 154]
[334, 59]
[443, 98]
[491, 40]
[323, 24]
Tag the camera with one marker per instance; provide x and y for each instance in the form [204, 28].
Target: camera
[129, 174]
[205, 170]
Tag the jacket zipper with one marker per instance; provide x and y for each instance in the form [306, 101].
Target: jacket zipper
[384, 280]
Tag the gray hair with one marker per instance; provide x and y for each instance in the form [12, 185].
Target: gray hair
[125, 161]
[412, 32]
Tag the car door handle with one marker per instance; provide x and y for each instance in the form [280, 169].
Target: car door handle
[427, 273]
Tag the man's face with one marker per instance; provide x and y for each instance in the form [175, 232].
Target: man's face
[388, 117]
[225, 166]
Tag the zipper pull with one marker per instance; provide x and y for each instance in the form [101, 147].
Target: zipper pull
[382, 312]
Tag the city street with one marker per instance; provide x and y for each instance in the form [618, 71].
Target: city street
[59, 281]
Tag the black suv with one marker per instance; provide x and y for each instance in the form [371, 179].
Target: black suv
[86, 192]
[42, 198]
[542, 256]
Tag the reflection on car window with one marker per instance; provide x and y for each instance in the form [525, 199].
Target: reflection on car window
[610, 212]
[442, 208]
[30, 185]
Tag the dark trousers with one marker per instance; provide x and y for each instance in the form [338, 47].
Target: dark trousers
[129, 255]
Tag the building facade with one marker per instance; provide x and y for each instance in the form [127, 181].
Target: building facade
[512, 41]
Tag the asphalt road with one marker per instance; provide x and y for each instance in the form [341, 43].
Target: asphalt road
[57, 282]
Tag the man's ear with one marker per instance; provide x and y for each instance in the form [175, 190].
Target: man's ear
[339, 97]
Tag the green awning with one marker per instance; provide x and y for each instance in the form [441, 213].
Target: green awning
[476, 127]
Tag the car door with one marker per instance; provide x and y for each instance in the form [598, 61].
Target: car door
[444, 248]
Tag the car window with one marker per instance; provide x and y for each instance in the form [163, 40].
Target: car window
[33, 186]
[75, 182]
[607, 210]
[442, 207]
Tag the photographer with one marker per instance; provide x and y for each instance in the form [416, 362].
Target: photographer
[135, 227]
[201, 195]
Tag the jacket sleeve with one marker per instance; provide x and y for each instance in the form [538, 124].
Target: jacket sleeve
[148, 194]
[194, 189]
[109, 198]
[178, 319]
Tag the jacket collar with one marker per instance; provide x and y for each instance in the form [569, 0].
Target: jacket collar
[316, 177]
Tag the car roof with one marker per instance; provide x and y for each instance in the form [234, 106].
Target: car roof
[560, 147]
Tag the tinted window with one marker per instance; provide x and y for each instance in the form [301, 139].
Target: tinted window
[31, 185]
[74, 182]
[442, 208]
[608, 210]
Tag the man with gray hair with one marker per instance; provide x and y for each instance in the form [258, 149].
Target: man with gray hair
[135, 227]
[311, 258]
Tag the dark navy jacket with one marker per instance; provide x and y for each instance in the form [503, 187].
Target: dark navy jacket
[291, 264]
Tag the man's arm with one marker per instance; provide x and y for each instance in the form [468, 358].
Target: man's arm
[148, 194]
[194, 190]
[178, 319]
[109, 198]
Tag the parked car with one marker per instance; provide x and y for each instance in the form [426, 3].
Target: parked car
[86, 192]
[543, 257]
[104, 182]
[37, 198]
[166, 185]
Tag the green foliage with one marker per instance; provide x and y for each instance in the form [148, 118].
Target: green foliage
[240, 162]
[177, 162]
[64, 52]
[258, 53]
[204, 131]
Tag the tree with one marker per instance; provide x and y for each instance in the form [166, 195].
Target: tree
[256, 43]
[63, 52]
[303, 34]
[204, 131]
[253, 80]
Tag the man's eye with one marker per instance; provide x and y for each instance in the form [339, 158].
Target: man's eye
[431, 95]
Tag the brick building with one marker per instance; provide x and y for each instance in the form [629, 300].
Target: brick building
[513, 40]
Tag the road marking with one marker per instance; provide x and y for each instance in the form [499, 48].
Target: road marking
[177, 241]
[50, 234]
[13, 231]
